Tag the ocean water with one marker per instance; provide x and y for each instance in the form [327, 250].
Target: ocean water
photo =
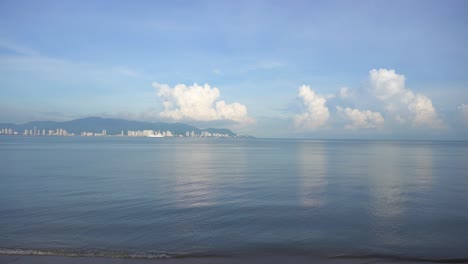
[233, 197]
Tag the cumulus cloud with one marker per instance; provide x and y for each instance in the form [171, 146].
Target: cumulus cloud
[316, 112]
[389, 87]
[361, 118]
[198, 103]
[386, 83]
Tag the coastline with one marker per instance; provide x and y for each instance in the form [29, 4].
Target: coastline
[273, 259]
[31, 259]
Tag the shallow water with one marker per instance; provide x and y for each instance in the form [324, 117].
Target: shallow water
[234, 197]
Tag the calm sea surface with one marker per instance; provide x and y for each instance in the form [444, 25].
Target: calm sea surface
[234, 196]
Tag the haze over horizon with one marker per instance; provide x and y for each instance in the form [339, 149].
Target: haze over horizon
[336, 69]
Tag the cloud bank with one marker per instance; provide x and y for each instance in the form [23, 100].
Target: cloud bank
[400, 106]
[198, 103]
[389, 87]
[316, 112]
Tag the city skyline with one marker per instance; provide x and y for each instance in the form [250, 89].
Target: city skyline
[129, 133]
[97, 126]
[325, 69]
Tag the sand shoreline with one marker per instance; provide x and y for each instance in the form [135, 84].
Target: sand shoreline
[30, 259]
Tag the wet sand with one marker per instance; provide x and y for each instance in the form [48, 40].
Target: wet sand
[27, 259]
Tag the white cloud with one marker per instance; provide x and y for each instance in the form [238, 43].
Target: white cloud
[316, 113]
[463, 108]
[424, 112]
[344, 92]
[390, 88]
[386, 83]
[361, 118]
[198, 103]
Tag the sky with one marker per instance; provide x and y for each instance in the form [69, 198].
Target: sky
[300, 69]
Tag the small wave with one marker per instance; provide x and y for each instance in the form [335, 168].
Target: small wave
[99, 253]
[402, 258]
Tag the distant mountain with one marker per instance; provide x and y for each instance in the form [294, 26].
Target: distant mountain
[112, 125]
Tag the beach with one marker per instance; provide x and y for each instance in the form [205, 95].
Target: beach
[25, 259]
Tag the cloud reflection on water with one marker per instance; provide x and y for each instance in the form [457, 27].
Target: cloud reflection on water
[312, 172]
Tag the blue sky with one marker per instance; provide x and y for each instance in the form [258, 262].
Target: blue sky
[366, 69]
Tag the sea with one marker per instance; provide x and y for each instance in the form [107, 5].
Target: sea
[233, 197]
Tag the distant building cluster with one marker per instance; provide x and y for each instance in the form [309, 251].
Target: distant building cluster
[205, 134]
[58, 132]
[36, 132]
[8, 131]
[149, 133]
[153, 133]
[130, 133]
[92, 134]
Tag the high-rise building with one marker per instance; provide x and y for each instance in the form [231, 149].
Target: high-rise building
[147, 133]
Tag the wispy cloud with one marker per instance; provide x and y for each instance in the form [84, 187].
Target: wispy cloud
[217, 72]
[127, 71]
[17, 48]
[268, 65]
[264, 65]
[26, 59]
